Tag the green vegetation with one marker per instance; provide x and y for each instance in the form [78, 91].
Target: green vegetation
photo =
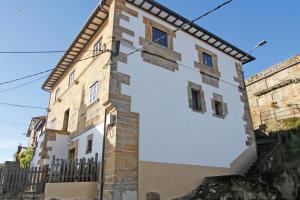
[25, 157]
[297, 125]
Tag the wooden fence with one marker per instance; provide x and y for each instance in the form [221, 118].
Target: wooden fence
[84, 170]
[14, 179]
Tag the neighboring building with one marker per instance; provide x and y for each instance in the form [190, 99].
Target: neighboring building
[46, 142]
[176, 110]
[274, 95]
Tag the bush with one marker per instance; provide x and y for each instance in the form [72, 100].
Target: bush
[25, 157]
[297, 125]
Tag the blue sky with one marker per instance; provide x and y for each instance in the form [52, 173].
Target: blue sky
[52, 25]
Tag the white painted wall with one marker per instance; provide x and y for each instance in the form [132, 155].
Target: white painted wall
[36, 156]
[169, 131]
[97, 142]
[59, 148]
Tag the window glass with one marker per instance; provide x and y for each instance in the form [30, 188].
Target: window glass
[53, 124]
[160, 37]
[57, 93]
[218, 108]
[89, 147]
[207, 60]
[93, 92]
[196, 100]
[97, 47]
[71, 78]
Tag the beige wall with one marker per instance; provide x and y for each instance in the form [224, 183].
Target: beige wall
[173, 180]
[70, 191]
[83, 115]
[261, 104]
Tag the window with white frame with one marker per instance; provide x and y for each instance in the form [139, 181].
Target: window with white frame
[57, 93]
[53, 123]
[97, 47]
[72, 78]
[93, 92]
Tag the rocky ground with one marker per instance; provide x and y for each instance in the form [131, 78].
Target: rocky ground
[232, 188]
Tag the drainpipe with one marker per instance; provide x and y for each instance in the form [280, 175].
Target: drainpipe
[103, 158]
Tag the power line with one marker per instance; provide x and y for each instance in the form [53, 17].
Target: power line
[24, 77]
[182, 26]
[22, 106]
[22, 85]
[42, 72]
[37, 52]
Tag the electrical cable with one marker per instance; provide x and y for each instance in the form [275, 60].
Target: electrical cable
[22, 106]
[22, 85]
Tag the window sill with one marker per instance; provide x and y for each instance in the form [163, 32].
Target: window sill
[88, 152]
[93, 103]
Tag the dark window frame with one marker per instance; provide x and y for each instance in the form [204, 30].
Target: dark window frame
[196, 100]
[158, 33]
[89, 146]
[218, 108]
[207, 59]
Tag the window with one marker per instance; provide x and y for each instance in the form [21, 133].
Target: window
[66, 120]
[72, 154]
[207, 59]
[260, 101]
[218, 109]
[97, 47]
[160, 37]
[89, 146]
[196, 104]
[57, 93]
[71, 78]
[93, 92]
[275, 96]
[53, 124]
[196, 97]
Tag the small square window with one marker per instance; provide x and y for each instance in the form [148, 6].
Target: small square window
[207, 59]
[57, 93]
[71, 78]
[89, 147]
[93, 92]
[218, 108]
[97, 47]
[196, 104]
[159, 37]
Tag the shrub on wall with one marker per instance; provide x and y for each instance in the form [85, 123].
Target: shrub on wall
[25, 157]
[297, 125]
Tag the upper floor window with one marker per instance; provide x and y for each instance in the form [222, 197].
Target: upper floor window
[57, 93]
[160, 37]
[218, 108]
[196, 97]
[53, 123]
[71, 78]
[93, 92]
[207, 59]
[97, 47]
[196, 102]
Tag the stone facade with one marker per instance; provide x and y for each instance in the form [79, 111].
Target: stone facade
[71, 110]
[274, 95]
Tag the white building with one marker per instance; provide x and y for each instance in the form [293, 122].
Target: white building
[178, 108]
